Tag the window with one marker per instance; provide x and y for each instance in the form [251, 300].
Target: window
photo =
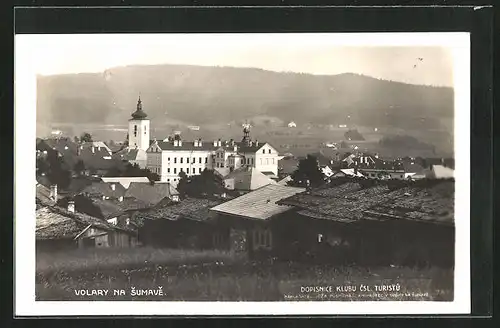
[135, 130]
[181, 170]
[267, 161]
[168, 170]
[168, 180]
[261, 161]
[262, 239]
[199, 170]
[194, 160]
[181, 160]
[200, 160]
[175, 171]
[175, 159]
[269, 151]
[187, 170]
[263, 151]
[206, 160]
[187, 159]
[168, 159]
[273, 160]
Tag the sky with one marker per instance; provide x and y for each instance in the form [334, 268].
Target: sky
[384, 56]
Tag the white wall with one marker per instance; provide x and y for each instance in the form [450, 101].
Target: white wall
[266, 161]
[141, 139]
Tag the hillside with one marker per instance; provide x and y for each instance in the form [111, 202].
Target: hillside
[212, 95]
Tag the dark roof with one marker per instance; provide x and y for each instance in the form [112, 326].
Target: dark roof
[432, 204]
[150, 193]
[350, 202]
[190, 208]
[113, 207]
[126, 154]
[207, 145]
[322, 159]
[64, 146]
[139, 114]
[99, 159]
[99, 189]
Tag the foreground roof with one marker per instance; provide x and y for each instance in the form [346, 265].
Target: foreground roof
[260, 203]
[190, 208]
[351, 202]
[57, 223]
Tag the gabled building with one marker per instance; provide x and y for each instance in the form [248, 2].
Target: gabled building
[246, 179]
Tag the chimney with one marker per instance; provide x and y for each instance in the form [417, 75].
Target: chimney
[256, 143]
[219, 143]
[215, 143]
[199, 142]
[120, 198]
[71, 206]
[180, 143]
[195, 143]
[53, 192]
[93, 150]
[176, 143]
[235, 148]
[113, 187]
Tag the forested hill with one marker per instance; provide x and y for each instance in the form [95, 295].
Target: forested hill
[200, 95]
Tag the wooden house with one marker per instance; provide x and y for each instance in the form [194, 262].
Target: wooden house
[186, 224]
[249, 220]
[379, 223]
[58, 229]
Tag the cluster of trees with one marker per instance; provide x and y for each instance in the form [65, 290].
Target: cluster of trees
[308, 173]
[54, 168]
[206, 184]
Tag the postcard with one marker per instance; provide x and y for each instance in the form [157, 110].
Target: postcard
[242, 174]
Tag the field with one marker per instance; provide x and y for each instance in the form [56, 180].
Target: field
[220, 276]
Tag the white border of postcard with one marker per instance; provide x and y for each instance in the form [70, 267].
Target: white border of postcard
[25, 135]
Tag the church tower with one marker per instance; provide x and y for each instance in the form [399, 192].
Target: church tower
[138, 129]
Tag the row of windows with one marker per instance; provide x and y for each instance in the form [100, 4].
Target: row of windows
[193, 160]
[193, 171]
[264, 151]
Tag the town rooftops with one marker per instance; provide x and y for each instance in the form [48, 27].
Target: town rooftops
[150, 193]
[259, 204]
[129, 154]
[100, 189]
[125, 181]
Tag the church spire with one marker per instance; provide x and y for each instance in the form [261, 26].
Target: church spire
[139, 113]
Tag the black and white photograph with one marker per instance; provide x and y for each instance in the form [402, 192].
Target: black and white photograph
[308, 173]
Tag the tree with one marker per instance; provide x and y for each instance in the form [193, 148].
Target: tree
[125, 143]
[206, 184]
[57, 172]
[308, 173]
[77, 140]
[79, 167]
[86, 137]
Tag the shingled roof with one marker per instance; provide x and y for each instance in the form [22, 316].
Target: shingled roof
[351, 202]
[43, 195]
[434, 204]
[190, 208]
[259, 204]
[57, 223]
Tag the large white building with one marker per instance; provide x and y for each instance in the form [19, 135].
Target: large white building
[171, 156]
